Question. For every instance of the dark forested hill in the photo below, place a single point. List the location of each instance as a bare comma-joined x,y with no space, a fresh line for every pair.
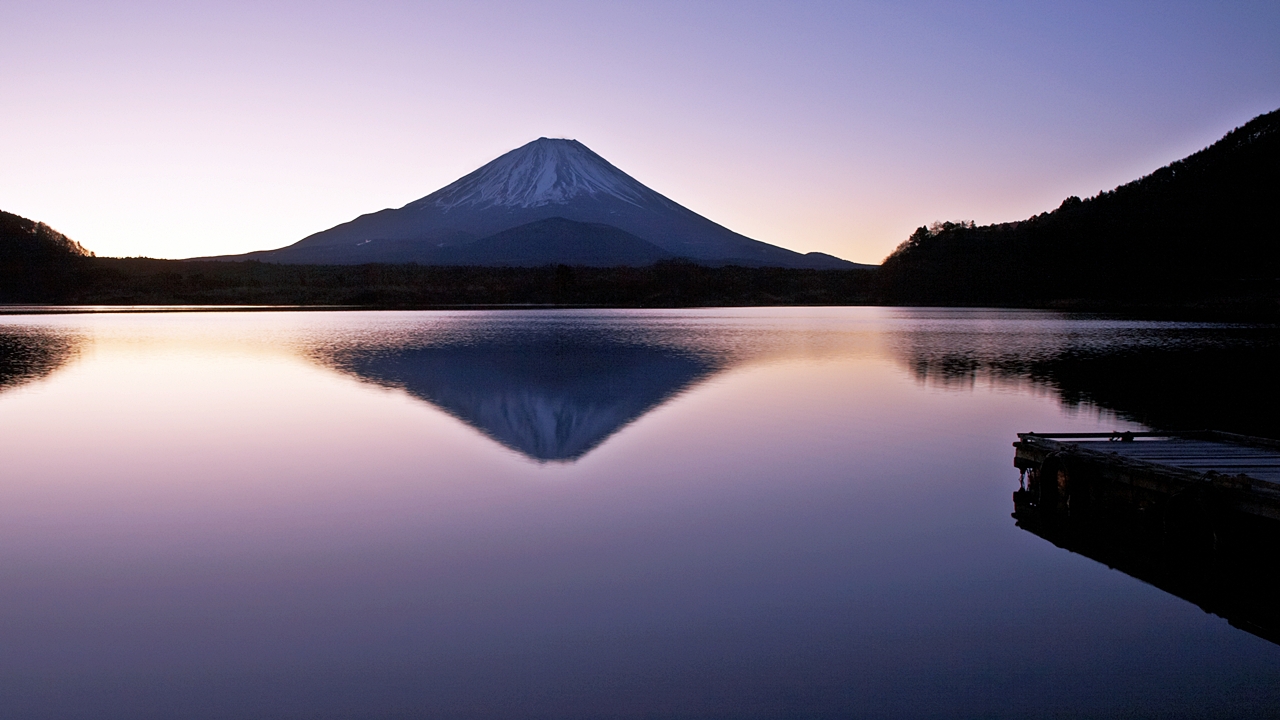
1199,229
23,239
36,261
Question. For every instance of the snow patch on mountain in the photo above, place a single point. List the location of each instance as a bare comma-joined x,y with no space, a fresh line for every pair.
544,172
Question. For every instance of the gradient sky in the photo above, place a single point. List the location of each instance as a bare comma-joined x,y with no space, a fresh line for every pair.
174,129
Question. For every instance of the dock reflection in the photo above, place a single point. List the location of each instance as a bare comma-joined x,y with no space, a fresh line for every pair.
1222,562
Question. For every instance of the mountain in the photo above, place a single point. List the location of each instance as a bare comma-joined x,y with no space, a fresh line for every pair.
1197,230
543,180
555,239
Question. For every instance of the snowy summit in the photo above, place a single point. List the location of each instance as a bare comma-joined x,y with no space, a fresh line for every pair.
543,172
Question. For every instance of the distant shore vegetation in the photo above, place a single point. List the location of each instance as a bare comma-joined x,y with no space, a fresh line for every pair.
142,281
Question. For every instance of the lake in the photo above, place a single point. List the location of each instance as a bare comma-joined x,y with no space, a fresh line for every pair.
725,513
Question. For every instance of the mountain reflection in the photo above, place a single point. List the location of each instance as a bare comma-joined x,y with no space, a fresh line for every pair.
28,354
552,392
1168,376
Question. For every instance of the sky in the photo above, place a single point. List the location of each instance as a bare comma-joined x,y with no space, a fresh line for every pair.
179,129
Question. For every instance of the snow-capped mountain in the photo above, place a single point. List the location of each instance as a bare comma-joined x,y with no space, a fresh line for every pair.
544,172
545,179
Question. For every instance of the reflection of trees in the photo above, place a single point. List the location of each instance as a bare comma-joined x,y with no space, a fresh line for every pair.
1171,378
28,354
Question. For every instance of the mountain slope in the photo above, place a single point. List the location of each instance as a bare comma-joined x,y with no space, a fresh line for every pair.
568,242
1204,225
542,180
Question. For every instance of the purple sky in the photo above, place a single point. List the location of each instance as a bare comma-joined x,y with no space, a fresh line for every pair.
175,129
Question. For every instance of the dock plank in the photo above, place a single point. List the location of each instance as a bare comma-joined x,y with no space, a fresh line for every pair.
1150,471
1201,452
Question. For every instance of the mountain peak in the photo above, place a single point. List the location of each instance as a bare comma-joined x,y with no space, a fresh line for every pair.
541,180
546,171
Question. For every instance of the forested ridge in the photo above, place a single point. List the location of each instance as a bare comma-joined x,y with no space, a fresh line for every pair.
25,240
37,263
1196,230
144,281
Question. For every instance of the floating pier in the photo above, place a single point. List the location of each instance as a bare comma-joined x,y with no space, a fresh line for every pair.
1196,514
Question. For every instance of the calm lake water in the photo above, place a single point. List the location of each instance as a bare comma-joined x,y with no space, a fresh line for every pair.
746,513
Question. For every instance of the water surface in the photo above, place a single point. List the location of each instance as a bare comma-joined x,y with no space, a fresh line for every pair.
719,513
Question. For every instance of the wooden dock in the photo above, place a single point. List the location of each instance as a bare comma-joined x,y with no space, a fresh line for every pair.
1196,514
1233,473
